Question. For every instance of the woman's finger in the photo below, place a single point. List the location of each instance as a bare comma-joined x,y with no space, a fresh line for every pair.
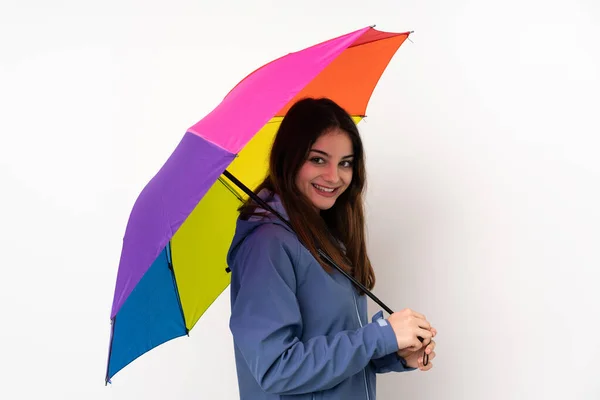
430,347
425,334
424,367
423,323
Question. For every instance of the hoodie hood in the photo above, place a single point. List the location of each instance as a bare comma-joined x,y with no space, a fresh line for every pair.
261,217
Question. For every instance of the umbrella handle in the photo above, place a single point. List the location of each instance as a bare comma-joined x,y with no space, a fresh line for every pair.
323,255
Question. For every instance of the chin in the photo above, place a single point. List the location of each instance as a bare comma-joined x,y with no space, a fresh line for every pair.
323,205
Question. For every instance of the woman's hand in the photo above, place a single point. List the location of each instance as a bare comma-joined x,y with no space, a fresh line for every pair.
414,359
409,325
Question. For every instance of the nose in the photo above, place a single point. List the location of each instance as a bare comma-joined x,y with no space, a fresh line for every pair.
331,174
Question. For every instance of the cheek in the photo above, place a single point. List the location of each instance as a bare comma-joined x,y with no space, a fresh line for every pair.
346,176
304,176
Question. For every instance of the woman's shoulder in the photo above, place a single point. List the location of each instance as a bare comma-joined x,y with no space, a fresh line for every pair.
268,247
272,234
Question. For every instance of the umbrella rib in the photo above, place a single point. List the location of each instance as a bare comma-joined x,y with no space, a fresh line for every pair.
231,189
110,348
172,269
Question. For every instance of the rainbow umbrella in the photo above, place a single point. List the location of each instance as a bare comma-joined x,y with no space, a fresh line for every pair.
173,259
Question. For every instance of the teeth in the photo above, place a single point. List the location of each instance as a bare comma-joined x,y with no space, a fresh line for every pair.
324,189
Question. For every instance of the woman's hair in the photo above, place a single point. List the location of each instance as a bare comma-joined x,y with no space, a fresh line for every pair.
303,124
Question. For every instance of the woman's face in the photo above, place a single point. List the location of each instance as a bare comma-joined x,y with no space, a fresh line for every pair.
327,172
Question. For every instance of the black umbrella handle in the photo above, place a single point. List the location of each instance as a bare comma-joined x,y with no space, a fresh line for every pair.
323,255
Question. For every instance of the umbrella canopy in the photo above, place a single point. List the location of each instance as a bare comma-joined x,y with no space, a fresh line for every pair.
173,259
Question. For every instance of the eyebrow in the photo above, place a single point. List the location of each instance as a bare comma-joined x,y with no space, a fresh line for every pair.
327,155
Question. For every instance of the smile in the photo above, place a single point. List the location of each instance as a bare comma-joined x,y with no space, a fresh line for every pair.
324,189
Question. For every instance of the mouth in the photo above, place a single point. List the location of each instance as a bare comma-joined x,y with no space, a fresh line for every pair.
324,190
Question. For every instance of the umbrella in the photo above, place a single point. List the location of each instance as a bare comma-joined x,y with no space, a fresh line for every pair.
173,258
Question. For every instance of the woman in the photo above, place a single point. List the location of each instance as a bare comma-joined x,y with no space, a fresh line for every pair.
300,327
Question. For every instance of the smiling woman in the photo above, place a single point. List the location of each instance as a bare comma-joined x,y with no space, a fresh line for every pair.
300,327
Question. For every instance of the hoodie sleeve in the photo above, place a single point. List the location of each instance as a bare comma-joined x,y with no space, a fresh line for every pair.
266,324
391,362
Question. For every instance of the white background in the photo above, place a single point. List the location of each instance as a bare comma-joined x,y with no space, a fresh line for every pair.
484,195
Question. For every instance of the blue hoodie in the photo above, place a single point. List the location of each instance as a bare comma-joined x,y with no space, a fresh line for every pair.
300,332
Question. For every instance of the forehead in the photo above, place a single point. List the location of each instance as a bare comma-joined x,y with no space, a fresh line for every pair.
335,142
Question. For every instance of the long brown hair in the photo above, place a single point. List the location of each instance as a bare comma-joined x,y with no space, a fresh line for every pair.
303,124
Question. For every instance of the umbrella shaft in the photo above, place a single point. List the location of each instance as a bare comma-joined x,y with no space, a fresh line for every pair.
324,255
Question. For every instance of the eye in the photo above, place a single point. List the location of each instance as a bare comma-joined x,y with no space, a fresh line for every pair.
347,164
317,160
